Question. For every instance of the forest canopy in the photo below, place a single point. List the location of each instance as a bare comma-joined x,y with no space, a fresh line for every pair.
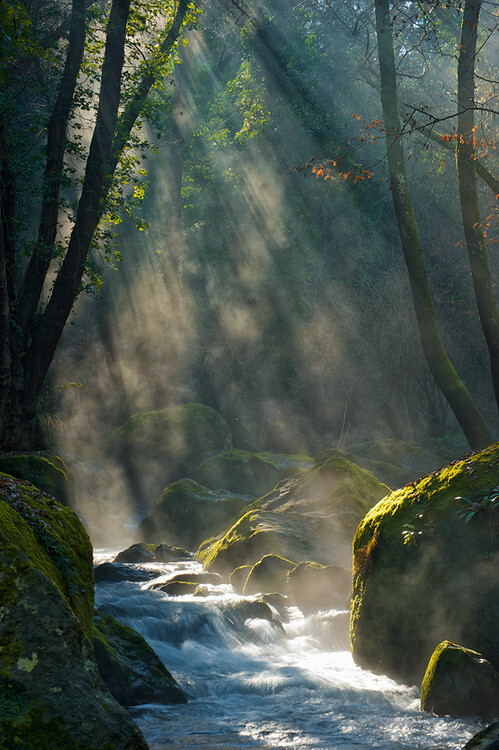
212,199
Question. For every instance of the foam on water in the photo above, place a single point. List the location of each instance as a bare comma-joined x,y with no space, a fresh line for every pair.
255,684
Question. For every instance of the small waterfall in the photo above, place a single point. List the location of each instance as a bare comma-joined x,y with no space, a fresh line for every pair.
254,682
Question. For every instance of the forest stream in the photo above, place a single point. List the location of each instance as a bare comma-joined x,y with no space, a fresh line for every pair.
254,684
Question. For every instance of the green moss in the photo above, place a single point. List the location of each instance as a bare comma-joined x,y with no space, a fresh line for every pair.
416,561
54,540
460,682
48,473
309,516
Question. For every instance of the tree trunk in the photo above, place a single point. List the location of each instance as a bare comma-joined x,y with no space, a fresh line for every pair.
468,194
444,373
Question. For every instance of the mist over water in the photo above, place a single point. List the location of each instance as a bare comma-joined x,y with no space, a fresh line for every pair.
254,684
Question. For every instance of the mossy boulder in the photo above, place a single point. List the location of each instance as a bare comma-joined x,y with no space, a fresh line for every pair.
460,682
49,473
187,512
130,668
50,690
238,577
156,448
426,569
312,516
250,473
312,586
268,575
142,552
487,739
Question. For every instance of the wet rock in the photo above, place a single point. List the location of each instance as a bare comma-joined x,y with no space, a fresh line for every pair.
268,575
249,473
114,572
238,577
159,447
176,588
142,552
130,668
426,569
175,585
276,600
187,512
312,586
460,682
49,683
487,739
309,517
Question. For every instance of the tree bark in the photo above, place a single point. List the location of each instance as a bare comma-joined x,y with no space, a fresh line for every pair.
444,373
468,193
43,253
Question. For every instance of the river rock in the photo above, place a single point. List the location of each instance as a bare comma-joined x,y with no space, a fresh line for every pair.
487,739
47,472
108,572
187,512
130,668
460,682
50,690
312,586
426,569
238,577
268,575
249,473
312,516
142,552
156,448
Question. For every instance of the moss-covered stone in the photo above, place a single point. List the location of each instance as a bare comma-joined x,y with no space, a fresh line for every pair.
187,512
487,739
130,668
268,575
49,473
460,682
250,473
50,689
142,552
312,516
238,577
424,573
159,447
312,586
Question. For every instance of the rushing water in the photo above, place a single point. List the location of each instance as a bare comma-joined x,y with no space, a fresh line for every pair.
255,684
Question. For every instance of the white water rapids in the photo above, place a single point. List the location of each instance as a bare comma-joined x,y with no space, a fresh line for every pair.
256,685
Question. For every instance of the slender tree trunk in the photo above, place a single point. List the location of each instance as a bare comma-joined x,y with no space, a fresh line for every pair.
444,373
43,253
468,193
5,297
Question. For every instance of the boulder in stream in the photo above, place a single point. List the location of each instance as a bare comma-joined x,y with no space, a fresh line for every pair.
130,668
142,552
460,682
426,569
312,586
487,739
268,575
50,690
187,512
312,516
